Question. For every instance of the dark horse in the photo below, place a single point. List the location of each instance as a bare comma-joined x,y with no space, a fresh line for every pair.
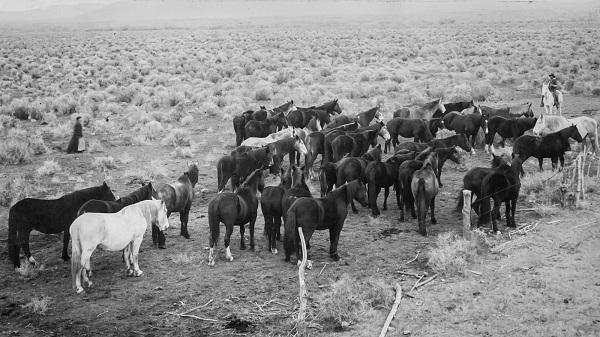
321,214
363,118
453,107
553,146
300,117
178,197
502,185
145,192
409,128
238,165
315,144
508,112
404,196
468,125
444,153
472,182
49,217
506,128
239,122
234,209
299,189
424,188
264,128
383,175
452,141
272,208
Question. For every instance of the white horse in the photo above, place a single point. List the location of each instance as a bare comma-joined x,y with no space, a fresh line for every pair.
548,99
123,230
587,127
262,141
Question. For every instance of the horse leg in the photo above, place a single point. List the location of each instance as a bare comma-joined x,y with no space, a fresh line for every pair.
135,250
507,213
242,242
432,206
495,210
354,210
513,209
66,238
23,240
276,228
227,239
541,162
562,161
161,238
251,225
385,197
334,236
154,237
183,217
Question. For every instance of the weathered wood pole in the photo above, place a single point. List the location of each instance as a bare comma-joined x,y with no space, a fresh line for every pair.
466,213
302,283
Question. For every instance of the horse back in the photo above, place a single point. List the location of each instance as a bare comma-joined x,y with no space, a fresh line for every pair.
168,194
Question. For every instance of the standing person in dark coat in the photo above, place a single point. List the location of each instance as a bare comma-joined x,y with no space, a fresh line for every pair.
77,134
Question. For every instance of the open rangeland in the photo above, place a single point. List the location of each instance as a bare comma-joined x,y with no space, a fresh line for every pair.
153,100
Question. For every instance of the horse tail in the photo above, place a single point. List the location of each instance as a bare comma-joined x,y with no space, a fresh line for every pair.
422,204
289,237
595,126
13,246
484,203
76,263
220,175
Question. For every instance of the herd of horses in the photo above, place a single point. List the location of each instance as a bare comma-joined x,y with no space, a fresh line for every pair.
351,170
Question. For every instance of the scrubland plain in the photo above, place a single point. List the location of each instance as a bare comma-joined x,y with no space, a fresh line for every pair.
153,99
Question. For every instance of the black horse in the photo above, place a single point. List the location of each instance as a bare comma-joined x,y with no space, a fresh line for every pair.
234,209
146,192
443,153
472,182
553,146
454,107
409,128
327,213
383,175
178,197
272,208
468,125
239,123
49,217
255,128
299,189
404,196
502,185
424,187
239,165
363,118
506,128
300,117
315,144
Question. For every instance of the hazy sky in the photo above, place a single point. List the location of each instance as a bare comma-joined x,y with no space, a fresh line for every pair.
23,5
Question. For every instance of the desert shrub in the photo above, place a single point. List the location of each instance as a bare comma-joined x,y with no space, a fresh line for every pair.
49,168
49,117
181,258
65,105
155,171
350,299
451,254
187,120
209,108
20,109
177,137
596,91
578,88
415,97
183,152
538,181
173,98
60,130
281,77
14,190
94,146
38,306
482,91
14,151
104,163
152,130
325,72
136,116
29,271
36,144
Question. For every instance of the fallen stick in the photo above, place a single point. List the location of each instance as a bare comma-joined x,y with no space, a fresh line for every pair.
325,265
426,281
408,274
415,285
584,224
194,316
475,272
198,307
392,313
302,283
414,259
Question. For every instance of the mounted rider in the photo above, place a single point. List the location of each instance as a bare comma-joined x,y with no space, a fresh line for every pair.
553,86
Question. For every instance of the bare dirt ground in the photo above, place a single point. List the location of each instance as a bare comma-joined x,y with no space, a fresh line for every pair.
542,284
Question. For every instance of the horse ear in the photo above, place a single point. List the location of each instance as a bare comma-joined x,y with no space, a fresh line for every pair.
104,184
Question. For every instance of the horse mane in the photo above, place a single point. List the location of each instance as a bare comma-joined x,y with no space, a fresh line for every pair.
430,105
192,174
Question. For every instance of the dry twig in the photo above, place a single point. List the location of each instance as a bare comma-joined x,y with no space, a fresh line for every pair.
414,259
426,281
392,313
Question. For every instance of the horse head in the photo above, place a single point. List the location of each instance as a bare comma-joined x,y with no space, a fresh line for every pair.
574,133
255,181
356,190
162,220
300,146
336,107
384,133
106,193
539,126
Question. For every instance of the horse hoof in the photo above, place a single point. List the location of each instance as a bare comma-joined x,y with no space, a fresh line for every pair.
211,263
185,235
433,221
230,258
138,273
65,258
335,257
79,290
274,251
90,284
162,247
242,247
308,264
441,185
129,272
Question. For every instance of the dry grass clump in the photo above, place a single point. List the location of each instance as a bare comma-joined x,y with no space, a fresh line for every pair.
177,137
451,254
14,151
350,299
14,190
540,183
181,258
183,152
49,168
152,130
104,163
30,271
155,171
94,146
38,306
